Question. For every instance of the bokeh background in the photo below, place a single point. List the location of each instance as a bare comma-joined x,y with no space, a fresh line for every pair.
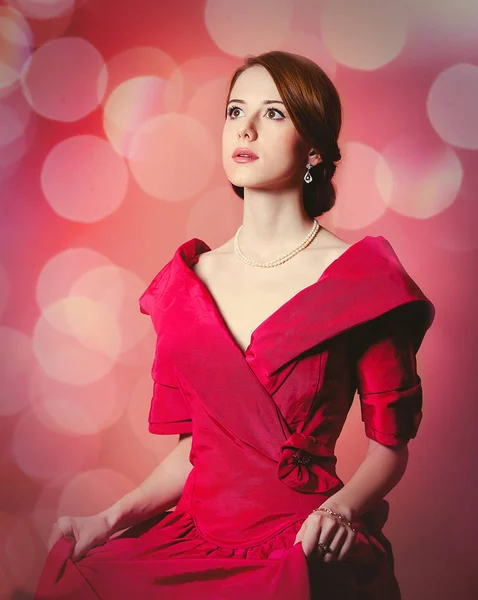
111,116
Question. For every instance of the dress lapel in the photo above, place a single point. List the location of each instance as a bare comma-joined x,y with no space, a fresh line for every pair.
236,389
366,281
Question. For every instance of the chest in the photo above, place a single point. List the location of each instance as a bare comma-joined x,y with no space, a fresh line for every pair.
246,297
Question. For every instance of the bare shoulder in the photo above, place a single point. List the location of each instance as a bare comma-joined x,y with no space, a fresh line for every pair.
210,262
328,241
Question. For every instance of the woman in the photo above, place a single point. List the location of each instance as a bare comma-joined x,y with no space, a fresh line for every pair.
256,369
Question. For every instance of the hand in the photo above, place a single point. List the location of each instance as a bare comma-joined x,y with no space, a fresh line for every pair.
87,531
327,529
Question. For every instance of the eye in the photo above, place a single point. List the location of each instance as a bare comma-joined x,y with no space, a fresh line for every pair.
277,111
231,109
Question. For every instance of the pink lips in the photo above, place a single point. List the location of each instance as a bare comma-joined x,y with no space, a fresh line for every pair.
249,155
243,159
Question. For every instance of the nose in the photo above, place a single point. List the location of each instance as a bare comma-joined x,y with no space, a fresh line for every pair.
245,127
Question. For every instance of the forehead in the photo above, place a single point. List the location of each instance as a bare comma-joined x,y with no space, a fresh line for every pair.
255,83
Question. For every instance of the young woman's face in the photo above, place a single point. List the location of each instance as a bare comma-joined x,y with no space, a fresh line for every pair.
267,130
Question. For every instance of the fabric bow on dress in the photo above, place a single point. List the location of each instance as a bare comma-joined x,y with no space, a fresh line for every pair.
302,461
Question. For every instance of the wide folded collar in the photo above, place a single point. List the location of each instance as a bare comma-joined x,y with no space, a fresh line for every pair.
363,283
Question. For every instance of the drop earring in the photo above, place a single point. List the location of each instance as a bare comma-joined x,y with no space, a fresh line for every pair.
308,176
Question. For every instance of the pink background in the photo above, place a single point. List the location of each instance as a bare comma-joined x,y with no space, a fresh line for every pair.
111,116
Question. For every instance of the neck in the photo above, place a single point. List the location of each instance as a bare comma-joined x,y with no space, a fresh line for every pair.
273,223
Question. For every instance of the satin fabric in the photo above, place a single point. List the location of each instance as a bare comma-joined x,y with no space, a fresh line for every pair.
265,424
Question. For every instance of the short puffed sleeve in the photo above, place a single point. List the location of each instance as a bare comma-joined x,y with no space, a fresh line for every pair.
170,411
388,384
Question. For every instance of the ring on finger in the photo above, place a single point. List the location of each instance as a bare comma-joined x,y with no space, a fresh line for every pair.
324,548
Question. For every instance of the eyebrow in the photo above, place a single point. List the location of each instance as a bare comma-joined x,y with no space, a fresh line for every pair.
263,102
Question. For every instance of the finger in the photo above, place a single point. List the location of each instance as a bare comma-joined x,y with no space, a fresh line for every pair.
349,542
59,530
78,552
336,545
327,530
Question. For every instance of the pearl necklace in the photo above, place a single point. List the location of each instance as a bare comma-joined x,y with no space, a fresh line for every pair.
281,259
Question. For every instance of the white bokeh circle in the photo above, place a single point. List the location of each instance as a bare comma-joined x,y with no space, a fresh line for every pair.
449,23
451,105
84,179
44,454
144,61
65,79
16,43
118,291
172,157
79,410
364,185
62,270
43,9
15,116
426,180
131,104
364,34
249,28
76,340
17,362
92,491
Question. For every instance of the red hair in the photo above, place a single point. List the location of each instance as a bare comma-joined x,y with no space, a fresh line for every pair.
315,109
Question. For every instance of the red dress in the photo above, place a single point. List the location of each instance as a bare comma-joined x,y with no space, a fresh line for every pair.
265,424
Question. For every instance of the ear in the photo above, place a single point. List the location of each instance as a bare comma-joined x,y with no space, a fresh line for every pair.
314,157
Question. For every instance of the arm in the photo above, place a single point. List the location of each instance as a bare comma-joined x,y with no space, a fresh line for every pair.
158,493
391,401
381,470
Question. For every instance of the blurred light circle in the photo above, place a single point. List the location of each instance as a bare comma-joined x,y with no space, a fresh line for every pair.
93,491
118,291
207,106
251,28
15,115
65,79
81,410
144,61
131,104
62,270
426,180
84,179
44,454
45,30
365,34
86,273
17,362
16,41
366,170
43,9
450,23
193,75
451,105
76,340
172,157
45,511
18,126
311,46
